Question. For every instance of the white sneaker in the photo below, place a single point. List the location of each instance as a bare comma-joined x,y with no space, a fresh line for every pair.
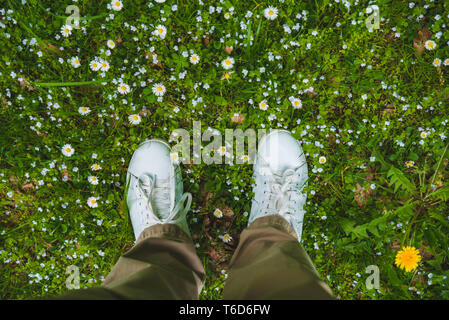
154,191
280,174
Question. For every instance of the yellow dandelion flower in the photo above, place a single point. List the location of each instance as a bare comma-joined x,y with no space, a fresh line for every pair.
408,258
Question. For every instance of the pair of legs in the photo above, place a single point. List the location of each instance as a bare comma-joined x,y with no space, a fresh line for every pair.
269,262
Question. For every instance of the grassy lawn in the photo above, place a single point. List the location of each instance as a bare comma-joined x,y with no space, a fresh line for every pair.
370,107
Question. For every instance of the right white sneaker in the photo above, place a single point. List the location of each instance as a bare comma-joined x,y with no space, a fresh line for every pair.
280,174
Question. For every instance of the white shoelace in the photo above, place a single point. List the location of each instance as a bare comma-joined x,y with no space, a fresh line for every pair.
160,196
279,198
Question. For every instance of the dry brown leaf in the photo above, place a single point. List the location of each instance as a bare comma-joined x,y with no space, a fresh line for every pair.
27,187
211,240
65,175
372,171
206,40
312,93
217,256
227,212
423,35
24,83
53,48
332,139
127,246
224,266
238,119
396,245
333,80
4,103
121,208
207,197
361,195
144,113
228,49
13,179
206,221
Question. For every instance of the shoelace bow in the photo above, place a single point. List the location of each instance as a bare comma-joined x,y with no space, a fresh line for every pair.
161,195
280,190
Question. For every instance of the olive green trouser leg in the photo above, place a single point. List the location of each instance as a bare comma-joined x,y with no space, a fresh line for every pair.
269,263
162,265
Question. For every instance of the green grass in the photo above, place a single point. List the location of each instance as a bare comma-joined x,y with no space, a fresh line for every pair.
366,99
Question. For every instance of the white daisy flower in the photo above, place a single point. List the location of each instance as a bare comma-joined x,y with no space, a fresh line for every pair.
160,31
436,62
221,151
227,15
271,13
228,63
67,150
75,62
92,202
446,62
104,65
263,105
423,134
123,88
409,163
84,110
159,89
93,180
116,5
134,119
66,30
174,157
218,213
95,167
245,158
110,44
226,238
194,59
430,45
322,160
95,65
296,103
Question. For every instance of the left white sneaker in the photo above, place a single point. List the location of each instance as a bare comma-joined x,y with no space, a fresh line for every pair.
154,191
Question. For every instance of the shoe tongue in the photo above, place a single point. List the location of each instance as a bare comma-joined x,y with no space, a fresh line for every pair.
161,198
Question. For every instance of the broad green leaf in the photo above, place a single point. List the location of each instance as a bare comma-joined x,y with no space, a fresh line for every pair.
441,193
399,179
347,225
